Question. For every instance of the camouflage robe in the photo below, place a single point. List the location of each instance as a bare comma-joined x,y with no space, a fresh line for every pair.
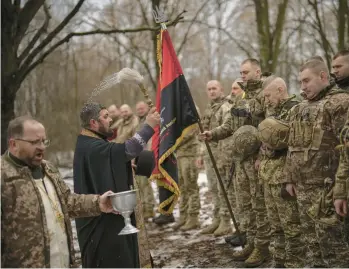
282,213
311,164
24,233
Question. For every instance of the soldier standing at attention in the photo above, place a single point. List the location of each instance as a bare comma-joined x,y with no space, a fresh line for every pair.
312,161
282,212
210,120
248,110
189,205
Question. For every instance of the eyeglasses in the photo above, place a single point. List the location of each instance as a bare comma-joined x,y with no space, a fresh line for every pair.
38,142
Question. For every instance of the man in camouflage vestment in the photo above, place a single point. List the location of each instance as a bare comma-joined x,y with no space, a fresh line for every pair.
282,212
36,204
312,162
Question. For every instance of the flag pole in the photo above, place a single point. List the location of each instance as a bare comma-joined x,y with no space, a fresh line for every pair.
214,164
160,17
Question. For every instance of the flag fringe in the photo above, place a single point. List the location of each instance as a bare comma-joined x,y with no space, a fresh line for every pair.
173,186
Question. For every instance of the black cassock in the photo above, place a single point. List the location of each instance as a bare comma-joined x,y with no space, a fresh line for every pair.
100,166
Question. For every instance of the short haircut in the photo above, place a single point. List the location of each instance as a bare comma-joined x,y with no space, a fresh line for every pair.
316,57
344,52
316,66
89,112
268,81
253,61
16,126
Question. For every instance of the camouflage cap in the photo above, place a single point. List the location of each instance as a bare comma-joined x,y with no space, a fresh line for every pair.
245,142
274,133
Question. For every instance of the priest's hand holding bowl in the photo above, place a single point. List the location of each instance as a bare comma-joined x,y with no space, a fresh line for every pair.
105,203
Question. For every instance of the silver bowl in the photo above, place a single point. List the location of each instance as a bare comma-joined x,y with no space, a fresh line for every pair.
125,202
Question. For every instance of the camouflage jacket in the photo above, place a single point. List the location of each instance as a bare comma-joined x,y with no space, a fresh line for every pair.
271,169
211,119
314,134
248,109
24,233
341,188
190,145
226,144
126,129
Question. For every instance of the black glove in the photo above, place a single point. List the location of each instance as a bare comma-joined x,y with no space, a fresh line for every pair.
240,112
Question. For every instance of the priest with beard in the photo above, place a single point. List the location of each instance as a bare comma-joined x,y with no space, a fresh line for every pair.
99,166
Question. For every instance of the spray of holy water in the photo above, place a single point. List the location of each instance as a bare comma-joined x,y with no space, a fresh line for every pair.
125,75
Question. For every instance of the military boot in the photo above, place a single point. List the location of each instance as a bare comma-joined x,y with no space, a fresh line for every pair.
163,219
236,241
224,227
212,227
192,223
257,258
180,222
243,254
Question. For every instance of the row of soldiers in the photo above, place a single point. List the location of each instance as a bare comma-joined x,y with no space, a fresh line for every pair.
279,155
290,188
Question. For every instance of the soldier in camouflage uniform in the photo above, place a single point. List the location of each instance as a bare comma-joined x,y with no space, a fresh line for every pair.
212,117
226,166
340,65
145,190
248,110
33,232
341,188
312,162
282,212
126,126
189,205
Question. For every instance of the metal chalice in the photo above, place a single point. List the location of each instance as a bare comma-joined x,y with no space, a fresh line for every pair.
125,203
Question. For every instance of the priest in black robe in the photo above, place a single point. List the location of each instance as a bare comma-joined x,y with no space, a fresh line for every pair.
99,166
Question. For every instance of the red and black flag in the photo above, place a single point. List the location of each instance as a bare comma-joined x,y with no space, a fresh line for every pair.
178,116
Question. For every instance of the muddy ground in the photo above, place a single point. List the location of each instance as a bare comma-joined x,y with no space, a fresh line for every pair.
177,249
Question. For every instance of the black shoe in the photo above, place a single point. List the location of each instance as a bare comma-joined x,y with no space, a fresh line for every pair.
164,219
229,238
236,241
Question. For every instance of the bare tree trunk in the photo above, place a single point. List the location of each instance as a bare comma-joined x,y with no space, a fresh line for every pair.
343,23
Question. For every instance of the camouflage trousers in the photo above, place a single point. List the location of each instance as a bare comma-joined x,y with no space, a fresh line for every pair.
254,218
285,227
230,187
146,193
213,186
325,244
188,175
